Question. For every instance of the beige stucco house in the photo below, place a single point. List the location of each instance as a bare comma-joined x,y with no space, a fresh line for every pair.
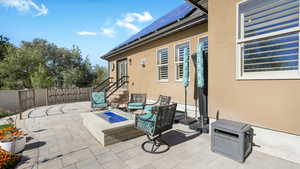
253,65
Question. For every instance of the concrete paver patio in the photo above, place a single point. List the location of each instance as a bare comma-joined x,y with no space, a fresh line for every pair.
60,141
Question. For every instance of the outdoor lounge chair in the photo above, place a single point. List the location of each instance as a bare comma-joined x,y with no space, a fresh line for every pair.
98,100
154,124
137,101
161,101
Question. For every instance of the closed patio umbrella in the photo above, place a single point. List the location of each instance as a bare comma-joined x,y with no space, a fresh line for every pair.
186,78
186,72
200,68
203,123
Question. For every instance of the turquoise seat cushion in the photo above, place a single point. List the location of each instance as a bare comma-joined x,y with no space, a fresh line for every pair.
135,105
147,126
148,108
98,97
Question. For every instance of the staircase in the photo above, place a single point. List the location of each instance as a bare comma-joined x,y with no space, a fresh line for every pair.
121,96
116,92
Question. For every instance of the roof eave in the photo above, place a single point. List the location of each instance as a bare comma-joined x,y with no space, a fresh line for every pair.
197,5
173,28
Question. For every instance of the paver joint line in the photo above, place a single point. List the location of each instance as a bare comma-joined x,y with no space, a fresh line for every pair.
70,146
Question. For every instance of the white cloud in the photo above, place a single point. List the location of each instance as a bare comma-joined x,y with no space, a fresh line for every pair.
25,6
86,33
108,32
130,19
128,25
145,17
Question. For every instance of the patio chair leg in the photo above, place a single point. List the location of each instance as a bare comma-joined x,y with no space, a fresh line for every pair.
156,144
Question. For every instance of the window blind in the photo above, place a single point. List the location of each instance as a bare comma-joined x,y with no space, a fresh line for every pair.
205,43
162,62
271,54
179,59
272,17
277,51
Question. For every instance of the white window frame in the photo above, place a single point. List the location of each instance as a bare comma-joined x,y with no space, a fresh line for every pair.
272,75
159,65
178,62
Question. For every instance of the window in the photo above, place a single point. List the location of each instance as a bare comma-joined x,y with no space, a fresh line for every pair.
179,54
268,39
205,43
162,64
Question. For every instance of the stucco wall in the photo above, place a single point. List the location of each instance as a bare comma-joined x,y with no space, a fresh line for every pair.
266,103
144,79
9,100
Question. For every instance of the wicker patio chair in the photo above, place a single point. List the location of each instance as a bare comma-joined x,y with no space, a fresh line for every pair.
137,101
98,100
161,101
154,124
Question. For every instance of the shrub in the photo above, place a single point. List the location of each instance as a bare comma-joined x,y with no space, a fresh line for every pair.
8,160
5,113
10,133
3,126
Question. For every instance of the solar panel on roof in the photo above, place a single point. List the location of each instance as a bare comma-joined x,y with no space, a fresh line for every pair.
176,14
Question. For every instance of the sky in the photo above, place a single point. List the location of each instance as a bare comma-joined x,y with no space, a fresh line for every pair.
96,26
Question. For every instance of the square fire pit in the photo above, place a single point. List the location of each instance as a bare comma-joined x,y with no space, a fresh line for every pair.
112,117
110,127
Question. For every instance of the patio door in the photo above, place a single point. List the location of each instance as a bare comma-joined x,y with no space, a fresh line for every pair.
121,71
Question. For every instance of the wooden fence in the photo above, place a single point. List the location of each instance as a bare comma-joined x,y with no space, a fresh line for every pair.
26,99
58,96
43,97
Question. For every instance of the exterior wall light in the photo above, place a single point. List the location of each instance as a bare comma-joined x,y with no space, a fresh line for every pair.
112,67
143,62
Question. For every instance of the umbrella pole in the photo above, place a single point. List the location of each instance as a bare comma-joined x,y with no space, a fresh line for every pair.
201,107
186,120
185,104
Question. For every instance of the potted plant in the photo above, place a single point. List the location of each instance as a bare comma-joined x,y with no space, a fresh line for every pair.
11,139
8,160
20,144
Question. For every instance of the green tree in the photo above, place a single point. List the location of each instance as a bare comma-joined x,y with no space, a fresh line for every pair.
4,44
101,73
41,64
17,67
60,62
41,78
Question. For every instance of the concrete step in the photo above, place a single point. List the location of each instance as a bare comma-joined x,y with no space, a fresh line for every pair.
118,96
120,93
121,96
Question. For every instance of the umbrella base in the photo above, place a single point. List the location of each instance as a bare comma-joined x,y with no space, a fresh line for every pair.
187,121
197,126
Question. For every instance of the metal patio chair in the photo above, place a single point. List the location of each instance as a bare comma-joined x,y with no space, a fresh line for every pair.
161,101
137,101
98,100
154,124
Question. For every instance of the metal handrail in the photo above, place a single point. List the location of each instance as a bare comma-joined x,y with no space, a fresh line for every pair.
112,87
115,86
102,83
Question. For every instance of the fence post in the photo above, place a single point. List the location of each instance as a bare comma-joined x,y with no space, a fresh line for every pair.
46,97
33,95
20,104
